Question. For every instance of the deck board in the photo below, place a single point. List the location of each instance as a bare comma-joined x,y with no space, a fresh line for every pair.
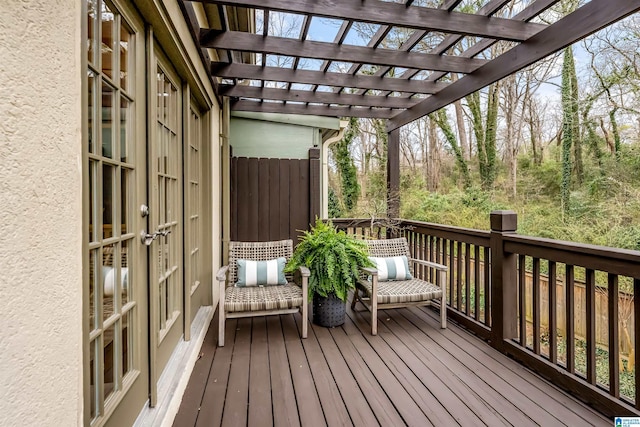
411,373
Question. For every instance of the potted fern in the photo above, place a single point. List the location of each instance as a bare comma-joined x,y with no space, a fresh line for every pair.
334,259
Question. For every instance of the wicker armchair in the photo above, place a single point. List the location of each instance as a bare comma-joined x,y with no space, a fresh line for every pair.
260,300
377,295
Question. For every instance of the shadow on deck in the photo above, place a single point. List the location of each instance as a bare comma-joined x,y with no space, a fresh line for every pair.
412,373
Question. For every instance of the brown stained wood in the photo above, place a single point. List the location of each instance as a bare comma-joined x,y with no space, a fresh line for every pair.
243,208
247,42
467,279
393,14
570,326
314,184
309,406
409,395
379,402
304,206
192,398
328,391
449,376
487,288
284,198
476,282
264,199
252,200
584,21
553,313
591,324
521,399
522,299
285,409
433,375
275,207
259,407
562,405
393,174
623,262
536,305
242,91
218,379
636,331
237,398
614,336
451,270
358,406
233,189
459,281
471,373
314,110
287,75
295,191
467,235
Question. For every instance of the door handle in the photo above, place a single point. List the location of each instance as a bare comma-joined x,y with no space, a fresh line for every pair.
147,238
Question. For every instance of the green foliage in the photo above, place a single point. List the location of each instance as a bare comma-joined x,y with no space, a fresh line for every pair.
335,207
568,67
485,133
346,167
333,257
443,123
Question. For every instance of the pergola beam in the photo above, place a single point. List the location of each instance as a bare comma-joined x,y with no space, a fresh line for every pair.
584,21
288,75
256,92
395,14
246,42
314,110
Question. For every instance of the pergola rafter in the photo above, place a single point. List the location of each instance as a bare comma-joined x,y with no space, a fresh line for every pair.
395,14
381,77
236,40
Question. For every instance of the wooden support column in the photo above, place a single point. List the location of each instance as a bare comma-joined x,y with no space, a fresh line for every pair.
393,174
314,184
504,279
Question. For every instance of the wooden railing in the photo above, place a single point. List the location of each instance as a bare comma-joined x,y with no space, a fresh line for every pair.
495,289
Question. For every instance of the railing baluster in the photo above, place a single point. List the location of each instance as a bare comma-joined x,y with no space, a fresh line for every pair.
536,305
553,313
467,279
432,257
487,287
569,310
636,333
522,282
459,273
591,325
614,338
451,267
476,280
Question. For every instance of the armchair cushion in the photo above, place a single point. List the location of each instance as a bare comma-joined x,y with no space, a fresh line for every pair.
256,273
392,268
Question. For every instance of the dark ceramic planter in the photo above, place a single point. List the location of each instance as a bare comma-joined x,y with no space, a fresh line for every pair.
328,311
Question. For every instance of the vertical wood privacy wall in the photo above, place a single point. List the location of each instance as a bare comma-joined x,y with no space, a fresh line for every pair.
273,199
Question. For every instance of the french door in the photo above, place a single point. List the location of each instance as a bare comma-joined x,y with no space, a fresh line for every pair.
116,280
166,281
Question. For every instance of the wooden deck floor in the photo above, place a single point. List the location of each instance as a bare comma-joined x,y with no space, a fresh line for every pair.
412,373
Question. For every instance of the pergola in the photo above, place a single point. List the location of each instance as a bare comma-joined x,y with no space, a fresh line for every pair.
407,82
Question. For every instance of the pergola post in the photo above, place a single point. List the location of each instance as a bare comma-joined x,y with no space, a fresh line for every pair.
393,174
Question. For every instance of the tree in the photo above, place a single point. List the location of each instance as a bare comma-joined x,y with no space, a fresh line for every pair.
567,125
442,121
346,167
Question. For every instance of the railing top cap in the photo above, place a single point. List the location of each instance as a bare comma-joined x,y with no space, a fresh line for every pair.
504,221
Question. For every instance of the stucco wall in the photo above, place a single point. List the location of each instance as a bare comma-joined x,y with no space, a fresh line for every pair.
255,138
40,213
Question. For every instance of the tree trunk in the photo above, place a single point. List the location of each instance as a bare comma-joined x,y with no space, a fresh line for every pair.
434,157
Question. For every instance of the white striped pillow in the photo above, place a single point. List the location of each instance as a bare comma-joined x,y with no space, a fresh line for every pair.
256,273
392,268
